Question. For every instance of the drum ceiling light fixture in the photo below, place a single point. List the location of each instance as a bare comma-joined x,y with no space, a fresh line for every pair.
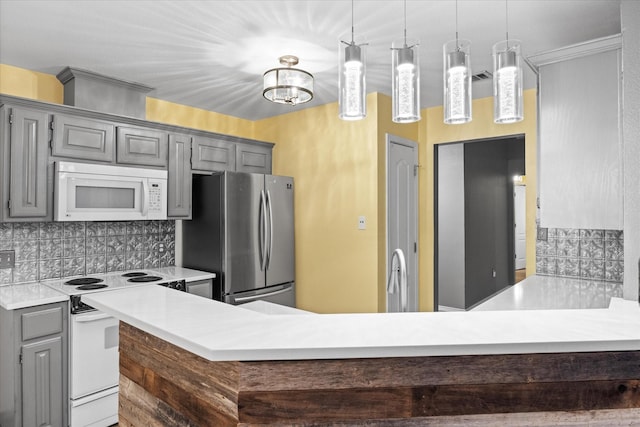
288,85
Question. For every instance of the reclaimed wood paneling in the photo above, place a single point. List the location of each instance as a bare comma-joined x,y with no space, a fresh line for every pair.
162,384
415,371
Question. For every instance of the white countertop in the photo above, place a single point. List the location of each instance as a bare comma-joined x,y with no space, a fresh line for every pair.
22,295
218,331
188,274
553,293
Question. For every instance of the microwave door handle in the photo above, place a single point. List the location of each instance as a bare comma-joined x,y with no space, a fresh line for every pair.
145,199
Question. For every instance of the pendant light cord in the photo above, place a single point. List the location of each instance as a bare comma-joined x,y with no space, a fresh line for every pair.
405,23
506,13
352,29
457,44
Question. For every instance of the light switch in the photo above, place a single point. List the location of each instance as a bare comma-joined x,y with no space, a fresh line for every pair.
362,223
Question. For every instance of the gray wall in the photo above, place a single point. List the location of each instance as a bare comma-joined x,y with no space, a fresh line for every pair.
451,249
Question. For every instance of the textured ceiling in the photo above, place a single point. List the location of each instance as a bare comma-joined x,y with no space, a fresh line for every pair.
211,54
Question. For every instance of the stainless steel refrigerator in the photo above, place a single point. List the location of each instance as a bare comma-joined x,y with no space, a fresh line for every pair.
242,229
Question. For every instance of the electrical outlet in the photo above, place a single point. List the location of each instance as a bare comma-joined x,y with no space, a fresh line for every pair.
362,223
161,248
7,259
543,234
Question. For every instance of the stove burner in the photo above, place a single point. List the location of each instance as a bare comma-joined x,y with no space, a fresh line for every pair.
142,279
83,281
134,274
91,287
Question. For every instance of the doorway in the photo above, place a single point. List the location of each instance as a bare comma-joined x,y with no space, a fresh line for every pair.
475,253
520,227
402,215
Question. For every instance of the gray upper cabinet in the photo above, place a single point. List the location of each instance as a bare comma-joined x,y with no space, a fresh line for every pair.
25,144
209,154
253,158
179,191
33,366
139,146
83,138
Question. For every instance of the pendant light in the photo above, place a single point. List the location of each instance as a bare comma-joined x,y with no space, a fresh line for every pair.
288,85
352,100
457,79
406,78
507,79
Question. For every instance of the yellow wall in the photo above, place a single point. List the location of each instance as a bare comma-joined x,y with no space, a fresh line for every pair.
30,84
334,164
434,131
46,87
339,170
196,118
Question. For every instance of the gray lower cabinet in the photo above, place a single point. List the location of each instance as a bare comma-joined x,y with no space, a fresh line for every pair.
253,158
203,288
209,154
33,366
24,152
139,146
83,138
179,181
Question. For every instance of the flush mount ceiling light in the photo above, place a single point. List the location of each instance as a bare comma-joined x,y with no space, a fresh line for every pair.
288,85
507,79
406,78
352,99
457,79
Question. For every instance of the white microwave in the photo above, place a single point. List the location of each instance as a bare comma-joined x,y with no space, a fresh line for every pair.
90,192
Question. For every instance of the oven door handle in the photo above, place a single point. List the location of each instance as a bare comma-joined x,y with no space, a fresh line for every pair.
91,318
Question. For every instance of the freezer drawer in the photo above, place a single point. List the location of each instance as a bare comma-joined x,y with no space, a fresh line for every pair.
280,294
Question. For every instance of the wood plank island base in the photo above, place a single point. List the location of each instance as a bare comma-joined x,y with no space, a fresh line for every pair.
162,384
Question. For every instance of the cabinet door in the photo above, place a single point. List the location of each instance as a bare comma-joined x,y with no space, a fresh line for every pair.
210,154
42,385
253,158
146,147
179,191
82,138
28,145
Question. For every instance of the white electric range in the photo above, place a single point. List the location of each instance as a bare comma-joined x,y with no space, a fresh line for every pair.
93,343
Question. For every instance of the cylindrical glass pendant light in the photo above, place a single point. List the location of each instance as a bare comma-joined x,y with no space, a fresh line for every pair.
406,82
352,84
405,69
507,82
352,99
457,81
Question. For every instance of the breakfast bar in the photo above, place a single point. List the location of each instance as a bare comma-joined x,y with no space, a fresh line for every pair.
191,361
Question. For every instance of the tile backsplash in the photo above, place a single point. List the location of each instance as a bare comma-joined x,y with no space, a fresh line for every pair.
581,253
48,250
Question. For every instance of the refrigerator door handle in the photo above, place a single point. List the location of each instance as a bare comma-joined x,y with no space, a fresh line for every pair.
270,235
260,296
263,231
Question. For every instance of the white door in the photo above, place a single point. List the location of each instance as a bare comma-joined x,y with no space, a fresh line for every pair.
520,219
402,215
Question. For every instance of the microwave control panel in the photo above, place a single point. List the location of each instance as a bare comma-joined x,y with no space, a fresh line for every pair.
155,197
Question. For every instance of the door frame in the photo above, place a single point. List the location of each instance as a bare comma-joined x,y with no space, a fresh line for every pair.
435,205
394,139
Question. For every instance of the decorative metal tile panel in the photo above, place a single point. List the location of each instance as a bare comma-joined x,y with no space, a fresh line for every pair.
48,250
582,253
